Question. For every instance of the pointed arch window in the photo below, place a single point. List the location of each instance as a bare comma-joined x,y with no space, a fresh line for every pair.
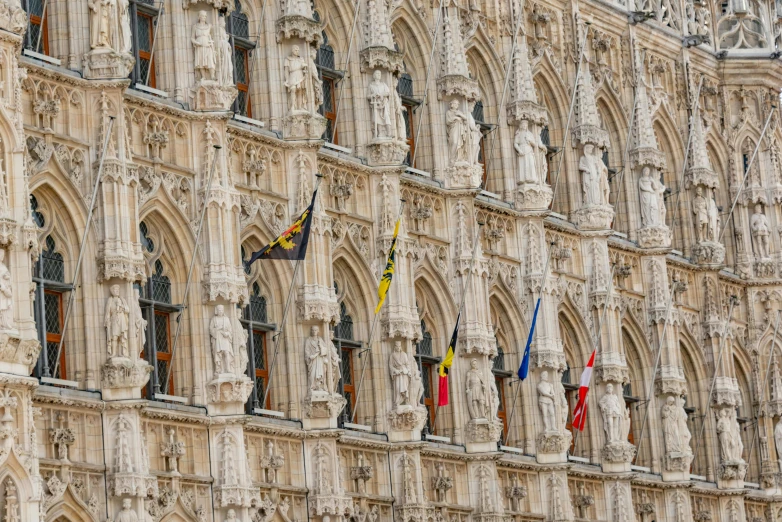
237,24
37,36
409,103
478,116
345,342
426,365
500,378
156,308
571,396
144,16
50,288
256,320
330,77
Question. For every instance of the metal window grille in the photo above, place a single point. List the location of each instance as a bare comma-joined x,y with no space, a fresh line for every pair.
325,56
545,136
424,346
52,265
477,111
499,360
257,309
160,285
38,218
344,329
405,85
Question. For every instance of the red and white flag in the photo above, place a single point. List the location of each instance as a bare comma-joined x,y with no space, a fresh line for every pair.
580,411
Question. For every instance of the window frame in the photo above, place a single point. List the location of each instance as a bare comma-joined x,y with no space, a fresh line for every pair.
263,328
140,9
43,22
333,77
411,104
486,129
345,348
244,45
427,365
500,374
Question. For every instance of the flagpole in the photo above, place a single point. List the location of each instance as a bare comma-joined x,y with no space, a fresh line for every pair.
285,310
518,388
463,297
371,336
190,270
87,224
763,390
596,343
674,286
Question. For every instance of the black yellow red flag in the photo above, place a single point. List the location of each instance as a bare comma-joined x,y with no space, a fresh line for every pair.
442,395
291,244
388,273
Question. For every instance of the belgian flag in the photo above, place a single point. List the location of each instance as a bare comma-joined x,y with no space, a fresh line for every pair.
442,396
291,244
388,273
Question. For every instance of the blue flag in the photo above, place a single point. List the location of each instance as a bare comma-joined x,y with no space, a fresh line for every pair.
524,368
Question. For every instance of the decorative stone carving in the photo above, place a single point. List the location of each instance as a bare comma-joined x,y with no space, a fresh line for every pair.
12,17
62,437
7,322
707,228
380,107
459,139
271,462
546,401
477,393
616,424
225,65
594,175
323,363
110,40
441,483
221,335
676,436
401,370
531,156
361,473
172,451
760,233
213,89
732,466
778,441
116,324
205,61
515,492
126,514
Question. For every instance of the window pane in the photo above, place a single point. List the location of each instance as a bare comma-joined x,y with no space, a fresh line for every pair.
500,395
162,370
35,7
260,357
51,357
328,135
161,332
424,346
427,381
161,288
143,64
240,25
240,66
52,306
145,33
53,266
325,57
347,376
260,388
257,309
348,406
328,95
405,85
241,103
499,360
477,111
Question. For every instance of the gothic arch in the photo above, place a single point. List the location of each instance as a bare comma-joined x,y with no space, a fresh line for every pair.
179,512
670,144
696,390
639,363
71,507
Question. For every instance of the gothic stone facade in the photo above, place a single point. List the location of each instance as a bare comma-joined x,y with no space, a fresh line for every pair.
147,148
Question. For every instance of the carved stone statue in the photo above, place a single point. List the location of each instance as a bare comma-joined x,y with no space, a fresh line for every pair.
760,232
671,435
126,514
527,146
380,103
295,76
6,296
317,86
225,75
322,363
611,408
139,323
102,23
231,515
652,204
594,175
400,375
457,126
204,48
684,430
401,128
495,399
700,207
546,403
116,324
778,441
714,218
221,334
124,35
475,136
730,446
477,402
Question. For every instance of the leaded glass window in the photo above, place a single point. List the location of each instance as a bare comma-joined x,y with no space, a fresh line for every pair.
49,278
255,320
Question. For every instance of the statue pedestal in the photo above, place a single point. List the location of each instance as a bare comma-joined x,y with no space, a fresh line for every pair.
594,217
405,423
17,356
133,485
227,394
208,95
617,457
533,196
321,410
464,175
482,435
13,19
107,64
386,151
676,466
654,237
730,474
552,446
304,125
122,378
709,253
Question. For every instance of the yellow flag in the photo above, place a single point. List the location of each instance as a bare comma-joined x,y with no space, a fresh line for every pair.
388,273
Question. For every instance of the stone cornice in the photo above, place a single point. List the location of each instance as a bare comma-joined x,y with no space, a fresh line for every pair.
360,442
269,138
134,98
69,77
176,416
60,400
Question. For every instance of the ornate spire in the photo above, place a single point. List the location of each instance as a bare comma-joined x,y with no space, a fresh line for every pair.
453,60
588,128
377,27
524,98
643,132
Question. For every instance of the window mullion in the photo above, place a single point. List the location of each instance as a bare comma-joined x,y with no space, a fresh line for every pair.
151,327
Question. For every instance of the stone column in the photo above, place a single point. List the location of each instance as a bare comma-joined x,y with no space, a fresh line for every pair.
457,92
299,37
381,66
407,484
324,478
233,484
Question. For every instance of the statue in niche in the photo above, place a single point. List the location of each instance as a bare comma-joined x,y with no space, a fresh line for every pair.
125,36
102,17
457,126
295,74
476,392
527,145
116,324
684,430
380,102
700,207
760,232
546,401
225,74
127,514
475,136
494,407
714,218
778,441
323,363
221,334
671,434
594,175
6,295
612,410
317,86
204,48
231,515
401,127
652,204
729,437
400,375
139,323
564,407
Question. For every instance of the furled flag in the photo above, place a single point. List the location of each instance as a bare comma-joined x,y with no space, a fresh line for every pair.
579,412
388,273
442,396
524,368
291,244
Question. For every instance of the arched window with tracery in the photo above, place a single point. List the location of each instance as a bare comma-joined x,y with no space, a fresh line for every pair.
330,77
427,366
155,300
237,25
345,343
255,319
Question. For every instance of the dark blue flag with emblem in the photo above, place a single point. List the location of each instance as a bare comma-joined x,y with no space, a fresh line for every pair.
291,244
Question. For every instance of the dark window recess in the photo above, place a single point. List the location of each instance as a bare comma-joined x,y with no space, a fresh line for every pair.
345,343
424,346
144,16
237,25
499,360
329,76
255,321
50,288
37,36
405,89
427,366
